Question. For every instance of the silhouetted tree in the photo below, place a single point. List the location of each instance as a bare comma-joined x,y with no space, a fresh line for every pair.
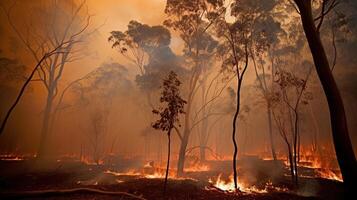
173,106
343,146
61,33
286,101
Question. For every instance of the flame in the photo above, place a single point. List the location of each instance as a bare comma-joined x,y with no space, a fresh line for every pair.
320,164
329,174
14,157
128,173
228,186
198,168
157,173
90,161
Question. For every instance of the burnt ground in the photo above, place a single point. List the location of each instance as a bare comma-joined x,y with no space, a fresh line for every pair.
19,176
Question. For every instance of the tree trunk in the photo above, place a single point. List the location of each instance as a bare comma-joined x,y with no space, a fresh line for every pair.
45,126
168,160
295,144
343,147
204,132
182,153
22,90
184,141
235,142
291,163
271,137
202,153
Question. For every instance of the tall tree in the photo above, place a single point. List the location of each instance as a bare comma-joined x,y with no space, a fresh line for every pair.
237,36
61,26
147,48
289,94
187,18
169,113
343,146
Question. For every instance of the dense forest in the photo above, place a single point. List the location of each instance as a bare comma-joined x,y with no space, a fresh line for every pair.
178,99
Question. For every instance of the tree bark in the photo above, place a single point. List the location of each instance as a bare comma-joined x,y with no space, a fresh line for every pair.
185,137
182,153
234,140
271,137
168,160
45,125
343,147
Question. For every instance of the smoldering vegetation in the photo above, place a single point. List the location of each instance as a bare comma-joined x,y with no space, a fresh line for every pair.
95,118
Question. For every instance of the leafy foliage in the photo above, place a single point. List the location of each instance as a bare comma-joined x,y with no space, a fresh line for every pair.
173,104
140,36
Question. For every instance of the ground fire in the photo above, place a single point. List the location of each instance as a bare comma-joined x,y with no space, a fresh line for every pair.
178,99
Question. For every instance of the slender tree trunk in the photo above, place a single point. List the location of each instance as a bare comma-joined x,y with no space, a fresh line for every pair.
45,125
235,142
316,132
343,146
22,90
182,153
291,163
271,137
168,160
295,145
204,131
184,141
264,89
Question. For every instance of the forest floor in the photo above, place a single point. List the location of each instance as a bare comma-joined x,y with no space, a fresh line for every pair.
19,176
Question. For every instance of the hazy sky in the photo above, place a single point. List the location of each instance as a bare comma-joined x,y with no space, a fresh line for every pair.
111,15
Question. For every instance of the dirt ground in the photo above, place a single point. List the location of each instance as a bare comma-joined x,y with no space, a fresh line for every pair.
19,176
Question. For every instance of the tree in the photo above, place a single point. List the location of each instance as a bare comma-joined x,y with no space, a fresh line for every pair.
95,93
49,32
288,95
237,36
266,33
343,146
173,107
45,56
147,48
189,19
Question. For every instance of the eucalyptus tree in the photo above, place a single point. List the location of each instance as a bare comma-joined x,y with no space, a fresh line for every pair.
191,20
147,49
173,106
311,23
289,96
237,39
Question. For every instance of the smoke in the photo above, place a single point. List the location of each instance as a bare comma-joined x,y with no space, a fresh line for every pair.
111,99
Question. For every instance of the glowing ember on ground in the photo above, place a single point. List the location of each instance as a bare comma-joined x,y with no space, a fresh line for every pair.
228,186
158,173
11,158
197,168
14,157
89,161
128,173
